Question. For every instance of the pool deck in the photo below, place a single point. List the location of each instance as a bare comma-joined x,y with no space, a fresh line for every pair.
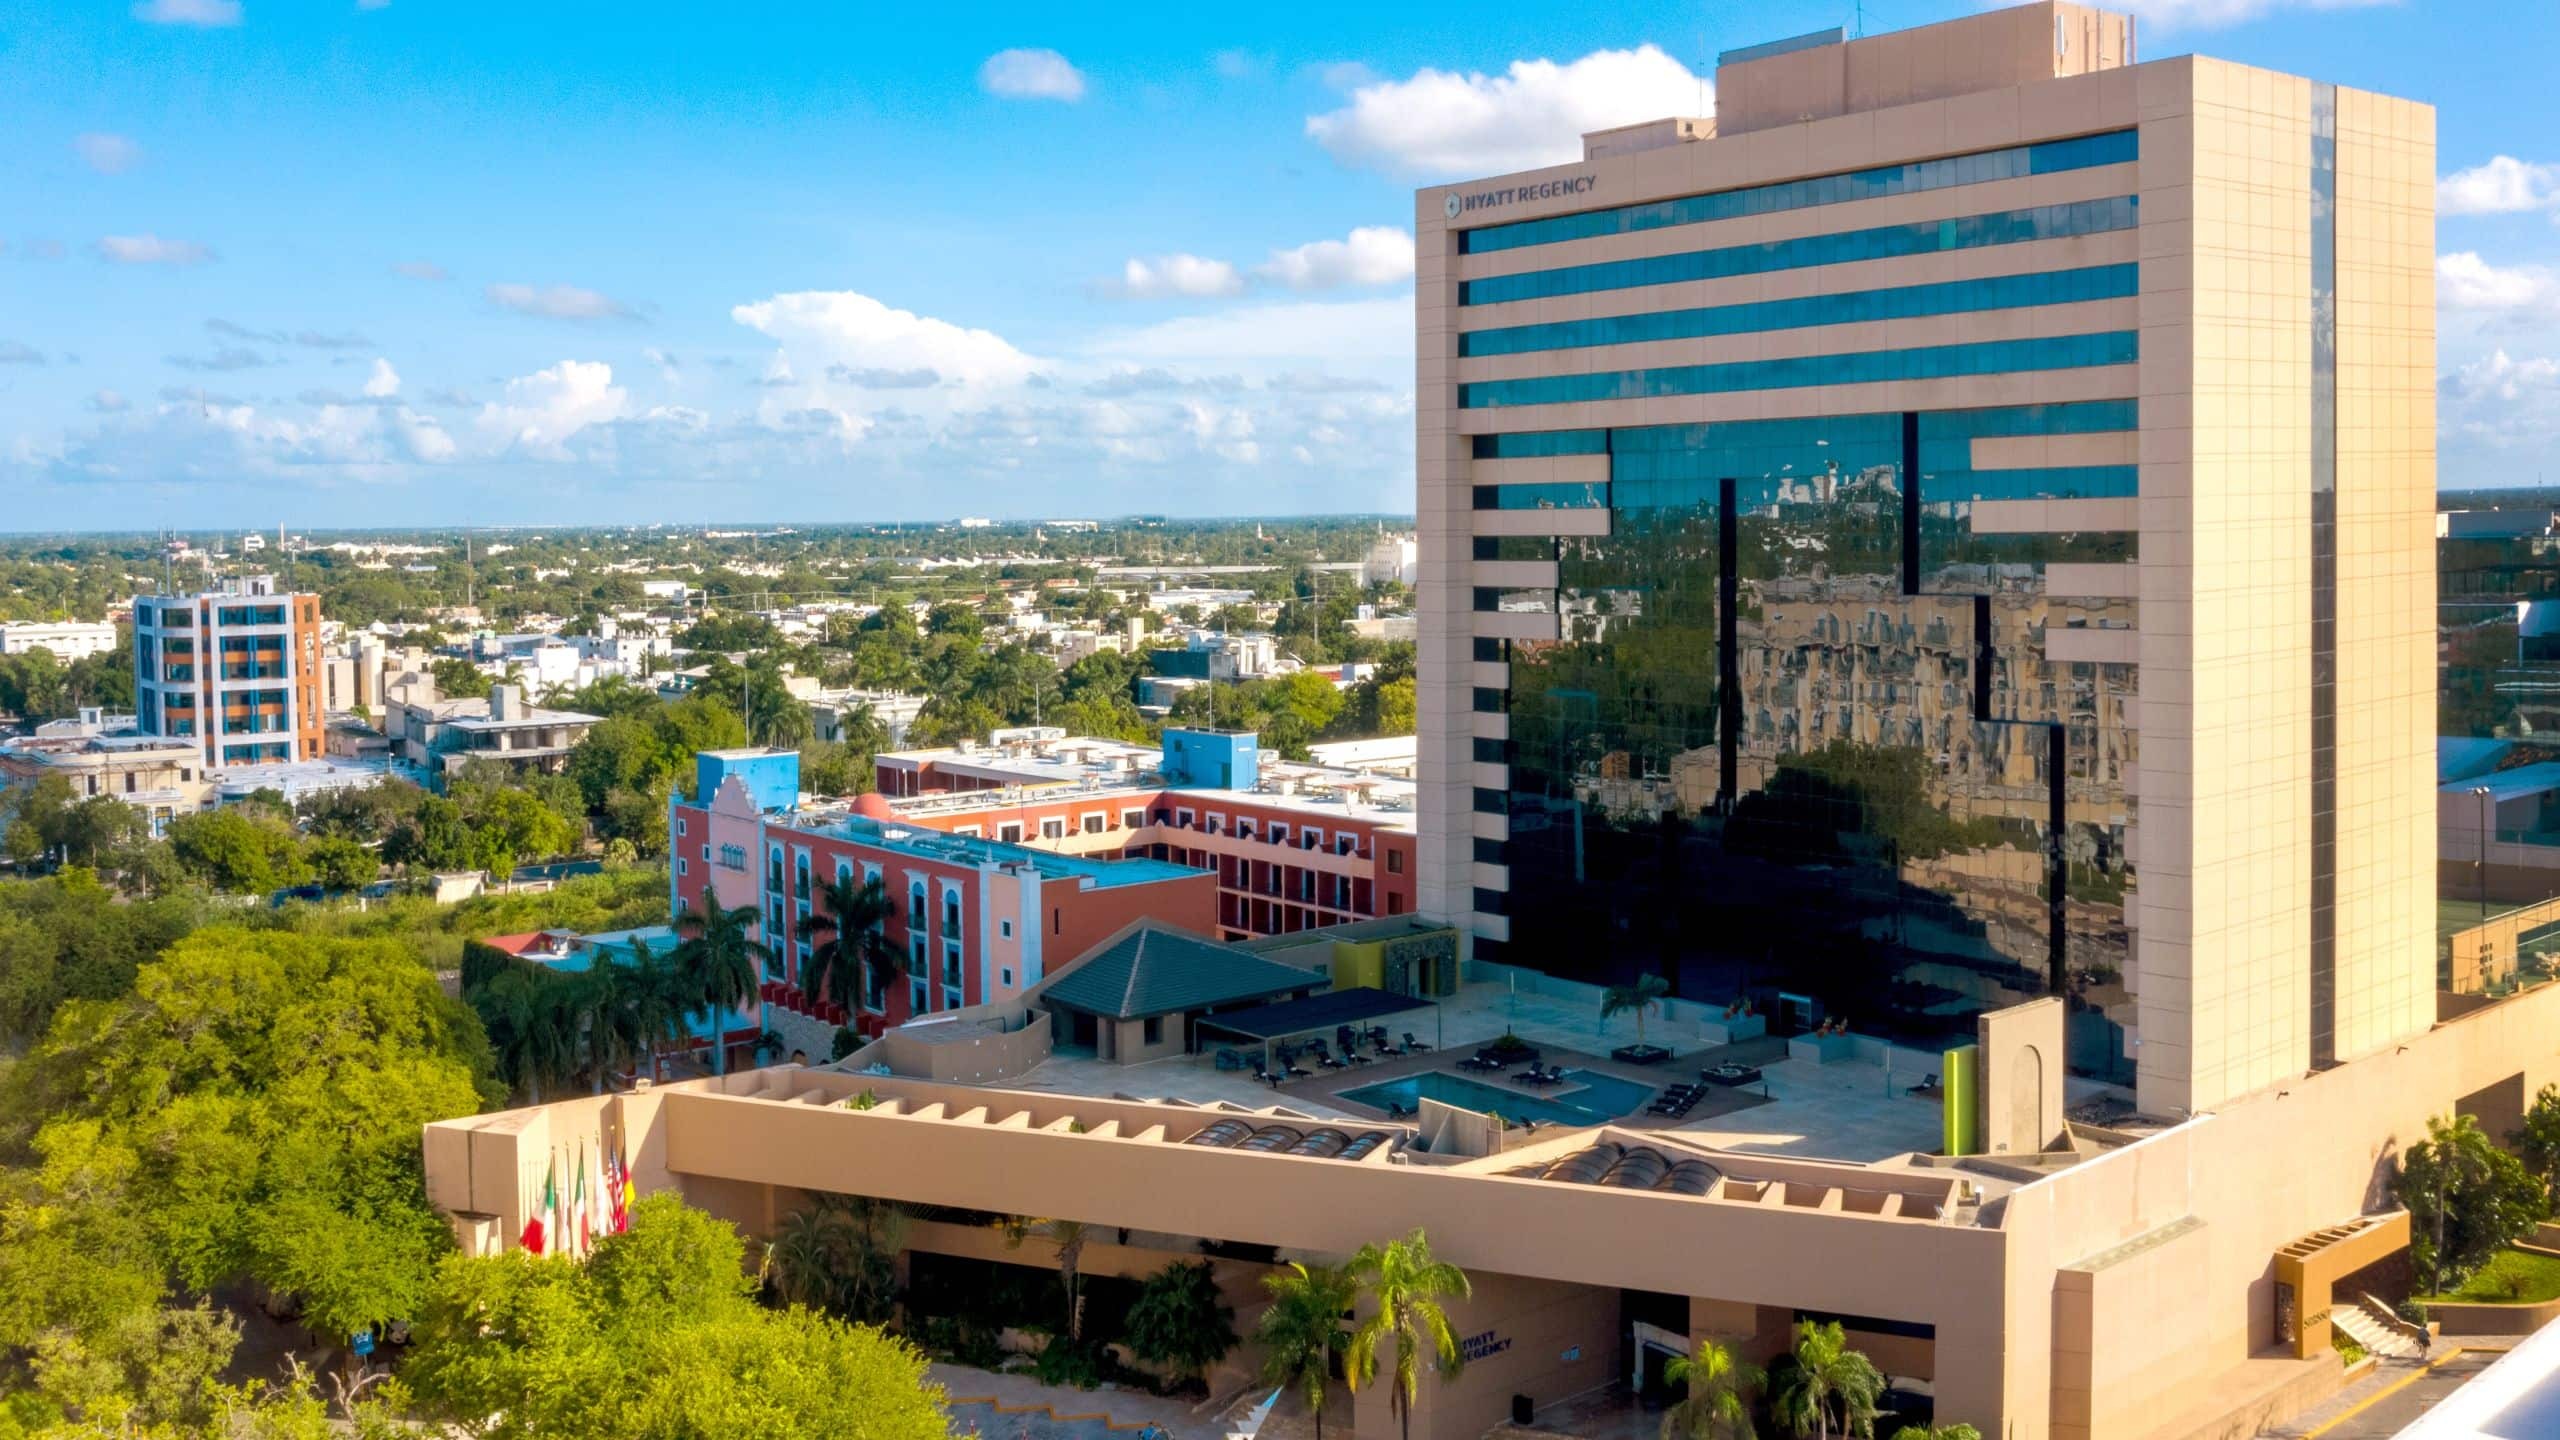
1857,1111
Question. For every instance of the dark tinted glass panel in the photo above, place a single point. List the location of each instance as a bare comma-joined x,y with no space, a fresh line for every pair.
1927,237
1756,762
1541,444
1928,362
1548,496
1954,297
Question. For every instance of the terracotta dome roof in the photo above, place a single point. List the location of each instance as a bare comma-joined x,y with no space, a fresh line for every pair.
872,805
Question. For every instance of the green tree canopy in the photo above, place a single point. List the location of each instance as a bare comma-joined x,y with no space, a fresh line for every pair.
2467,1200
655,1337
250,1111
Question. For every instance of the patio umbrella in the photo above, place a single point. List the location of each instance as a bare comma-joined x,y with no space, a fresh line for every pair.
1253,1418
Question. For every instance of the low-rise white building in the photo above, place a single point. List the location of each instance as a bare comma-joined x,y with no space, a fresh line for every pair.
67,639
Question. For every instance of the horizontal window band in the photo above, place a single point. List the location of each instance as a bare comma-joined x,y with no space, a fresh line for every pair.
1952,297
1925,237
1930,362
2114,147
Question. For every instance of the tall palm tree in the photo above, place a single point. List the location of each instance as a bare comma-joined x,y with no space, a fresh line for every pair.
1302,1332
1821,1377
719,963
1714,1407
654,1001
1407,1286
1643,995
1069,1237
530,1027
849,928
605,1020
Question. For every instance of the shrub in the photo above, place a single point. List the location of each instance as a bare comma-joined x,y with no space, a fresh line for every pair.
1180,1321
1070,1362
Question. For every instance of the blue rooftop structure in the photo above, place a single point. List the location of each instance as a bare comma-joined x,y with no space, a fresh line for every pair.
1211,759
772,776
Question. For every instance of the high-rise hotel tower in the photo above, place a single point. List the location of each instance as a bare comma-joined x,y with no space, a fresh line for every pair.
1956,525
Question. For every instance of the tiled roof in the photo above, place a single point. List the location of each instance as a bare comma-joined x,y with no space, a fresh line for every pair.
1155,971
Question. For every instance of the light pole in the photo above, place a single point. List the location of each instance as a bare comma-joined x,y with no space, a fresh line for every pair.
2488,808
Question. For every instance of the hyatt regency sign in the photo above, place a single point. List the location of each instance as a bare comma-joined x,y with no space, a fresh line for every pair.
1544,190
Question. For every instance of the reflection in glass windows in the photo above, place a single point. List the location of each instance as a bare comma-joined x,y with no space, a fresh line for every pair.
1775,747
1884,242
2114,147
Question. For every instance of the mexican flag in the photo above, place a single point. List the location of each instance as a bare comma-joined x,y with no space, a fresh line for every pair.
533,1227
579,1204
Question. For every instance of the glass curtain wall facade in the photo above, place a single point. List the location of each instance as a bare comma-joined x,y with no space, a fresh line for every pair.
1798,729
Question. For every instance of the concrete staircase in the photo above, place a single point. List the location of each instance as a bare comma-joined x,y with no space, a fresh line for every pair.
2376,1329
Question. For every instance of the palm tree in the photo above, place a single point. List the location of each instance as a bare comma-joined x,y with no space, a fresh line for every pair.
530,1027
810,1255
851,920
654,1001
1302,1332
1069,1237
1408,1286
1713,1408
719,963
602,1003
1643,995
1823,1376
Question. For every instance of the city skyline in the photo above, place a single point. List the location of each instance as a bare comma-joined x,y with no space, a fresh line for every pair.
274,267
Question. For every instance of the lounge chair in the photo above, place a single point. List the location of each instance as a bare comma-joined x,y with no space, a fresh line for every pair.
1411,1044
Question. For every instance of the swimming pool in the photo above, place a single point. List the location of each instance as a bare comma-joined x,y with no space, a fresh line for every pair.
1589,1097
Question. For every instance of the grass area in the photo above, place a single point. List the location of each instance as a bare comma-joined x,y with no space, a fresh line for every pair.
2513,1278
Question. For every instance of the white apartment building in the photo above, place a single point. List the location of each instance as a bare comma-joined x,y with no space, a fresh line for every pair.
68,639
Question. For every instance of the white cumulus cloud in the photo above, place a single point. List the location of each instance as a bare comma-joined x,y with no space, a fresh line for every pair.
2503,402
2504,185
2512,293
557,302
107,154
1171,275
1030,74
384,382
844,327
540,412
1372,255
151,250
1370,333
1441,123
203,14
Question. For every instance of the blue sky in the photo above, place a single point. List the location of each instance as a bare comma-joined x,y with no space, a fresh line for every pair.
332,262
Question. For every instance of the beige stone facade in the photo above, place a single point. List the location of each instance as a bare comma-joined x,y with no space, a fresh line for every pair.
2231,990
